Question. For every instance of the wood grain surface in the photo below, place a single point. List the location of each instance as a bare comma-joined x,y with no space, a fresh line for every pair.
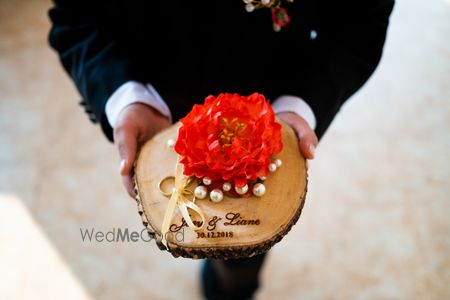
235,227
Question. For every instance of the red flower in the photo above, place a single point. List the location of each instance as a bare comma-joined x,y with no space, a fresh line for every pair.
230,138
280,16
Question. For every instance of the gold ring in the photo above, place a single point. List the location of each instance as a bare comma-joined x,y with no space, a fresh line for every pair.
167,194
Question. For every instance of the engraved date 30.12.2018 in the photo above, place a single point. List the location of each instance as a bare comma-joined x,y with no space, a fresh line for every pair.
215,234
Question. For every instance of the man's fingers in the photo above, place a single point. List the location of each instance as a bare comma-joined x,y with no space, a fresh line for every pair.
126,140
136,124
129,185
308,139
307,147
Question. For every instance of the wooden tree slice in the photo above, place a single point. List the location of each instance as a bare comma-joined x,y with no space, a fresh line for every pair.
235,227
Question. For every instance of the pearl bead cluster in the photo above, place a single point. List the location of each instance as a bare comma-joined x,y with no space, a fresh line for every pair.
273,166
216,195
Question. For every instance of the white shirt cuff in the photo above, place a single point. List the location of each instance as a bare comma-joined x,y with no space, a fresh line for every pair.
133,92
296,105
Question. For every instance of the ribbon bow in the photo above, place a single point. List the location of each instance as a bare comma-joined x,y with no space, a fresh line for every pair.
178,198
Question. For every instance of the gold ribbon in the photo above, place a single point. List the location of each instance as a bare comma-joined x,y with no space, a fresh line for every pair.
178,198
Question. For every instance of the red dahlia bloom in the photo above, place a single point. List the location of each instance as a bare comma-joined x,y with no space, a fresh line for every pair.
230,137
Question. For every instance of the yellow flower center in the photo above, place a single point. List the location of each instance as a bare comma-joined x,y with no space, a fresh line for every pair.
230,129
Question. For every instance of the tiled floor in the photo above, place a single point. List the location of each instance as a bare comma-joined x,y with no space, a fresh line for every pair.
375,226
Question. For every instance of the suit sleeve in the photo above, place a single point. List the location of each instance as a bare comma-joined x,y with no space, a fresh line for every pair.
89,55
345,53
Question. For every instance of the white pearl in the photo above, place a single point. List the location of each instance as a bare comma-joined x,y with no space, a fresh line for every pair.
226,186
248,1
265,2
200,192
250,7
206,180
272,167
170,143
263,177
216,195
242,190
259,189
278,162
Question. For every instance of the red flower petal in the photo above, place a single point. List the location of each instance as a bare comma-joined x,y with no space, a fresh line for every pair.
229,137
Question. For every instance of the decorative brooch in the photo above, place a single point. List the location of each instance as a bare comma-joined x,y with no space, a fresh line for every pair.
280,17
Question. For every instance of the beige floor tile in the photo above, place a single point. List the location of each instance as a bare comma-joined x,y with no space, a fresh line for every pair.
375,225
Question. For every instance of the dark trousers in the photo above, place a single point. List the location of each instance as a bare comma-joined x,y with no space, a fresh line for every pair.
233,278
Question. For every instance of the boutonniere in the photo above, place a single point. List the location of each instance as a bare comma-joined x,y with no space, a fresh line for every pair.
280,17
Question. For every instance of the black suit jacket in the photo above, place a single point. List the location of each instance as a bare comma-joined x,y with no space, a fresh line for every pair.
191,49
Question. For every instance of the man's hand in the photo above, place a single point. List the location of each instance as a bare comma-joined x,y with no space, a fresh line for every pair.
136,124
308,139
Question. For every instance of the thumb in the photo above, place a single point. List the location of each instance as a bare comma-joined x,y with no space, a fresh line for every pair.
126,140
